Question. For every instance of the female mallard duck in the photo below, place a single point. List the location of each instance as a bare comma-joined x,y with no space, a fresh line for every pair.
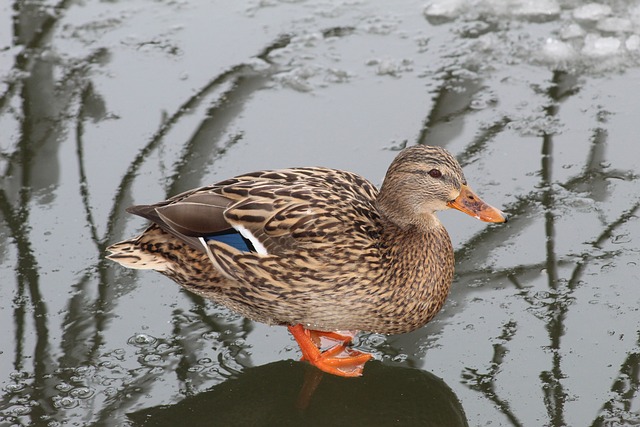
319,250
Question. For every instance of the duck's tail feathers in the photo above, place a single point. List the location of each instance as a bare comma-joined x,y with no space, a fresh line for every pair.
128,254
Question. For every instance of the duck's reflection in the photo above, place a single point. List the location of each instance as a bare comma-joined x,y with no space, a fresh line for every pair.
293,393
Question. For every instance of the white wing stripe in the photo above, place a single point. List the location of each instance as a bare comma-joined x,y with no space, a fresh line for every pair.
250,237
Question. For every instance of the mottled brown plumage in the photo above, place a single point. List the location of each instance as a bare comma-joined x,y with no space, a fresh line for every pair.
336,253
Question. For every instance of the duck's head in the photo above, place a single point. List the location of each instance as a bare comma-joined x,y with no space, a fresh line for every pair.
423,180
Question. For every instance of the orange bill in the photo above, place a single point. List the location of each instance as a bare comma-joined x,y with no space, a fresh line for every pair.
469,203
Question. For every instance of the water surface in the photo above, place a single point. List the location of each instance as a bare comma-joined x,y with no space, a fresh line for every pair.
108,104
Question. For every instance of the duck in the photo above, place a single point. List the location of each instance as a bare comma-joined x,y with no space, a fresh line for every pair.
321,251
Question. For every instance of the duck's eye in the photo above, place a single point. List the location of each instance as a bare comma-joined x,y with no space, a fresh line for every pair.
435,173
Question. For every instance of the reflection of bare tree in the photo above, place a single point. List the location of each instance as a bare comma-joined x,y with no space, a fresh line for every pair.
485,382
623,391
32,170
227,93
46,104
592,179
86,319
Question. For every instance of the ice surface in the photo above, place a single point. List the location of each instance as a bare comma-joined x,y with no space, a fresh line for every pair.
592,36
591,12
595,45
572,30
451,9
532,8
633,42
445,10
634,17
557,51
614,25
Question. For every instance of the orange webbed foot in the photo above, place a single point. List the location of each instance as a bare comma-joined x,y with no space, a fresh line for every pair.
338,359
324,339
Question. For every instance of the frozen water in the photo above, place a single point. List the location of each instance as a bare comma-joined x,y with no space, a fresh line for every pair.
633,42
557,51
445,10
591,12
595,45
571,31
532,8
451,9
614,25
634,16
579,37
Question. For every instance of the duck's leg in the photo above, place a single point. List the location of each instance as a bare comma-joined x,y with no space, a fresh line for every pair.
337,360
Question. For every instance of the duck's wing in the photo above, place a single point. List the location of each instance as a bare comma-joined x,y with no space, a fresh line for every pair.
188,216
279,212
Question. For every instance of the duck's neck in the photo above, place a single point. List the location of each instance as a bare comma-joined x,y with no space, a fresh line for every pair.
420,246
401,213
420,265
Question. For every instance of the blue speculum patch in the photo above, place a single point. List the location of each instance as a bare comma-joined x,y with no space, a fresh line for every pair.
233,239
